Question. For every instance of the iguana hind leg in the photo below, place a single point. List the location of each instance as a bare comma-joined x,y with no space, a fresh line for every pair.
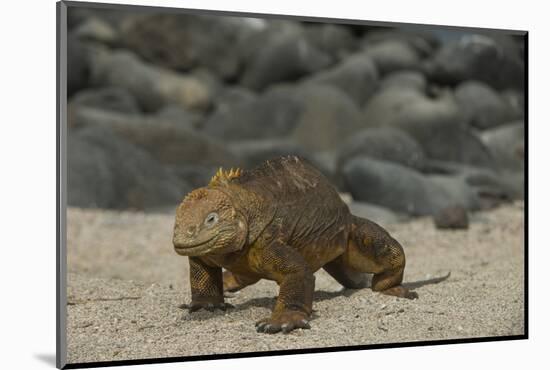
371,249
342,273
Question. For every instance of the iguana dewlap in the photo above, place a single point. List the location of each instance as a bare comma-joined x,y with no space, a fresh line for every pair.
281,221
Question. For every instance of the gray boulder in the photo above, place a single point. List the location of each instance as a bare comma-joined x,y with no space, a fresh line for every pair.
452,217
328,116
96,30
387,103
475,57
326,162
273,114
356,75
152,87
79,15
184,41
402,189
266,31
506,144
423,43
78,64
228,97
104,171
515,99
196,175
113,99
179,116
168,141
393,55
383,143
436,123
484,107
279,55
335,40
405,79
491,186
90,178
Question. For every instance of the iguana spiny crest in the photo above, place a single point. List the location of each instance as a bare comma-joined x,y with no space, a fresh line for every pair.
223,177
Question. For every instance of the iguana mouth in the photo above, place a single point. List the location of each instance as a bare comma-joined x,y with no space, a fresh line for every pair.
194,248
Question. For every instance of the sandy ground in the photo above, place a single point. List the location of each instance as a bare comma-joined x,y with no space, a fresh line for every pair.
125,285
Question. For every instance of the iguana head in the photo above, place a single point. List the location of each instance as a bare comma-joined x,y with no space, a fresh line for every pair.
208,223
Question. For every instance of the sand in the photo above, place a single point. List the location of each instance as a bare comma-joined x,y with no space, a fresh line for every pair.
125,284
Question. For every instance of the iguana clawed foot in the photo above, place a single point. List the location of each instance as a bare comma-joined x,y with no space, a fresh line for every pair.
285,322
211,307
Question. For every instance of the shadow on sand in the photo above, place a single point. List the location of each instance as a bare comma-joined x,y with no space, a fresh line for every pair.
319,296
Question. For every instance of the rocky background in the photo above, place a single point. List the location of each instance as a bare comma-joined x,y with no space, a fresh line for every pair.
404,122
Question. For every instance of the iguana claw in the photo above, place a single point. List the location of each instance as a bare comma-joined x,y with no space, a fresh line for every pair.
285,322
210,307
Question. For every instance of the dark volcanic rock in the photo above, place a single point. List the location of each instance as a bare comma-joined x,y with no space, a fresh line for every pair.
168,141
383,143
108,98
476,57
333,39
195,175
506,143
437,124
90,178
231,96
279,54
274,114
491,187
152,87
403,189
104,171
422,42
328,116
388,102
516,100
179,116
182,41
78,65
452,217
266,31
96,30
393,55
356,75
77,16
405,79
484,107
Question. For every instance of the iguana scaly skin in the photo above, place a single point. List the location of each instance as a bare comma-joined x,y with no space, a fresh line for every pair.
281,221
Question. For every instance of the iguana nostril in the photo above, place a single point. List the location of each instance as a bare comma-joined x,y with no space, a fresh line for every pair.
191,230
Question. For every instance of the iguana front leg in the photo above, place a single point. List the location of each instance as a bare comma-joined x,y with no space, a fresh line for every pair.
206,286
287,267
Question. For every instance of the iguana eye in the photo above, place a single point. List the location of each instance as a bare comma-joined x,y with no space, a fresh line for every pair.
211,219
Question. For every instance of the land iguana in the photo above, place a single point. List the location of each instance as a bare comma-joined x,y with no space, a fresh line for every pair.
281,221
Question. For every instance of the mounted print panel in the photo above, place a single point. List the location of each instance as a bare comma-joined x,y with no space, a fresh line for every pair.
239,184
